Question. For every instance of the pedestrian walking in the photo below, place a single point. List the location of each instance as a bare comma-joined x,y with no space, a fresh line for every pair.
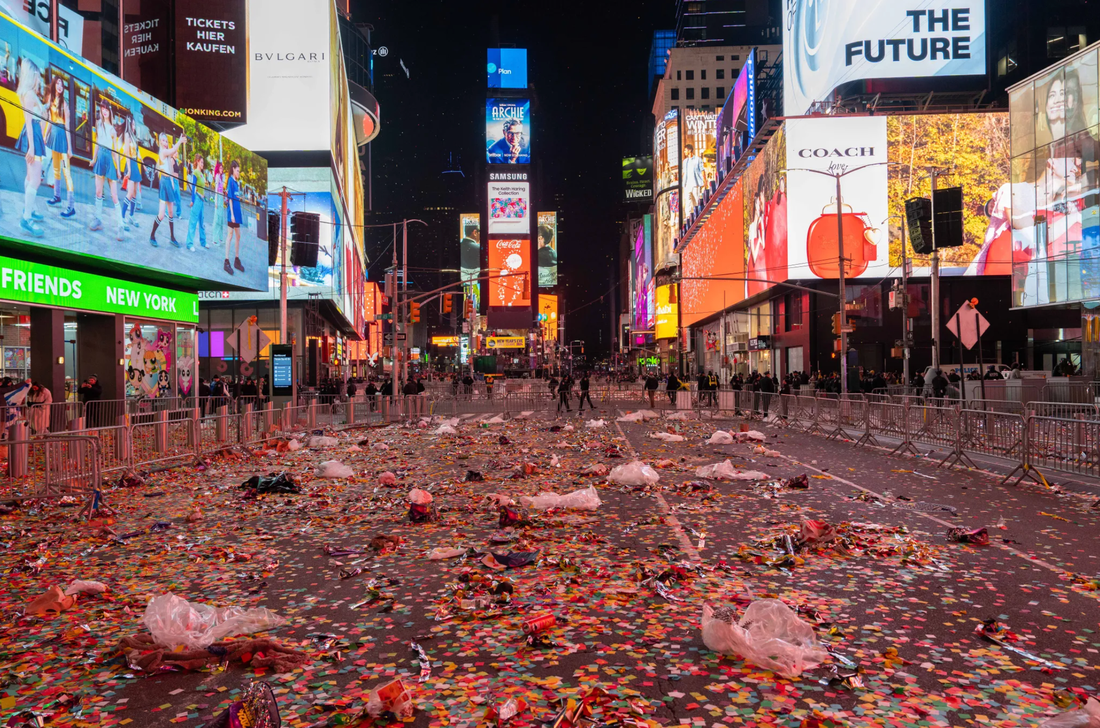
651,388
584,394
671,386
564,388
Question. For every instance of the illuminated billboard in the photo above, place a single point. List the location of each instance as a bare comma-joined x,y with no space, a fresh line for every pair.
698,156
506,68
510,263
509,208
548,316
548,249
764,189
469,231
737,120
36,16
666,168
638,178
826,45
210,48
668,305
508,131
109,153
642,261
716,252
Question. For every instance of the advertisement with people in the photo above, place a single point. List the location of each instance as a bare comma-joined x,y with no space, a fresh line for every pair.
508,208
714,253
508,131
643,275
469,254
765,218
817,150
737,120
973,149
510,263
548,249
1055,185
98,172
698,156
666,167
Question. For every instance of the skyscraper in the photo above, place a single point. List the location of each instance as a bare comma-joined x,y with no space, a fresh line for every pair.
728,22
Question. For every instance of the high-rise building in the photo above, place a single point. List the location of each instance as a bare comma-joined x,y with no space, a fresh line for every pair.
728,22
663,42
700,78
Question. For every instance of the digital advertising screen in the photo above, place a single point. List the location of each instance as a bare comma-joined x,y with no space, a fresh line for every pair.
211,57
506,68
764,190
666,169
35,14
149,161
698,155
737,120
548,316
642,260
716,251
825,46
469,231
509,212
508,131
638,178
507,258
146,60
829,144
668,305
547,235
328,273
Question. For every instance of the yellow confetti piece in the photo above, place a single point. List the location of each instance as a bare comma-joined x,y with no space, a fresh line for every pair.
1051,515
7,702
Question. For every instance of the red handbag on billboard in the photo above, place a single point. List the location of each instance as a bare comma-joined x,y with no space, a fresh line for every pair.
822,251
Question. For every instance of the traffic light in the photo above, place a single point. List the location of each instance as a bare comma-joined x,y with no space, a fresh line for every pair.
526,287
414,312
469,313
447,307
836,324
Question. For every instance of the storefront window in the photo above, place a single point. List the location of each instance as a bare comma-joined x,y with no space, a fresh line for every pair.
150,357
15,330
186,371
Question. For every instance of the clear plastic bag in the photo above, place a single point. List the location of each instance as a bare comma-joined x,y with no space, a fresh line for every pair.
79,586
174,621
1087,717
445,430
318,441
579,500
639,416
419,497
681,415
634,473
725,471
769,634
595,424
667,437
750,436
721,437
334,469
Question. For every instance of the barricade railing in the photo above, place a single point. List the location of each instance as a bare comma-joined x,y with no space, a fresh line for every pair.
1068,410
1079,392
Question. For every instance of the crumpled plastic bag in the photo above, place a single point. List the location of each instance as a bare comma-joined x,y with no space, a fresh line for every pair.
721,437
725,471
393,697
334,469
595,424
442,552
750,436
174,621
419,496
633,473
272,483
387,478
318,441
293,445
445,430
639,416
1087,717
769,634
580,500
498,420
761,450
680,415
79,586
667,437
599,470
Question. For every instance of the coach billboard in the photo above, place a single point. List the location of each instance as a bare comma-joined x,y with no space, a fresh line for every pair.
826,44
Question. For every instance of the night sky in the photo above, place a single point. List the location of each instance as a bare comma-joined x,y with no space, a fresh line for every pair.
588,63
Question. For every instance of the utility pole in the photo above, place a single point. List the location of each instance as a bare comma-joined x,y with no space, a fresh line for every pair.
935,280
904,308
843,300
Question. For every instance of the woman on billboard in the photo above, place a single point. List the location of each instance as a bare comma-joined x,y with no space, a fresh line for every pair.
218,230
103,164
132,184
169,187
233,203
31,142
60,145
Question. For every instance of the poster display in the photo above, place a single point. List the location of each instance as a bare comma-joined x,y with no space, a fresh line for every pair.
508,131
737,120
35,14
469,231
638,178
506,68
211,58
716,251
548,316
857,145
509,257
643,276
509,212
764,191
667,323
548,249
829,44
123,171
698,156
666,169
149,354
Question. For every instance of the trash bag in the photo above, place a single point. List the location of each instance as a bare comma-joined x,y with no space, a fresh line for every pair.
498,420
1087,717
334,469
440,553
420,506
272,483
769,635
976,536
393,698
667,437
633,473
387,478
639,416
474,476
750,436
580,500
725,471
599,470
419,496
174,621
79,586
595,424
293,445
445,430
320,441
721,437
680,415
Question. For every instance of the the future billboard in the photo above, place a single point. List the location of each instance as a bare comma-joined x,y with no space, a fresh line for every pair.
506,68
508,131
469,232
509,208
829,44
737,120
764,189
136,185
716,252
510,268
666,169
638,178
548,249
698,156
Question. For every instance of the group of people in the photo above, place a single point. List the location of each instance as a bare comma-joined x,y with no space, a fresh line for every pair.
563,389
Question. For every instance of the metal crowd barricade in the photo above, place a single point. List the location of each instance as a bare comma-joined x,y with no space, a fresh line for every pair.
1067,410
1068,446
884,419
50,467
1068,392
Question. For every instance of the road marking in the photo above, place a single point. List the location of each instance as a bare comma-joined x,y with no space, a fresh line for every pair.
671,520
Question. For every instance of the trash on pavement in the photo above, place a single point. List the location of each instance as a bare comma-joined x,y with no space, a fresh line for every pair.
393,698
52,603
667,437
633,473
334,469
725,471
173,621
272,483
639,416
319,441
769,634
79,586
1086,717
976,536
595,424
387,478
580,500
440,553
720,437
256,709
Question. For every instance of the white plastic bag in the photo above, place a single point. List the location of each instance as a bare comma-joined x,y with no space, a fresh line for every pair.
633,473
761,450
174,621
293,444
769,635
750,436
79,586
318,441
387,478
579,500
667,437
721,437
595,424
599,470
498,420
680,415
639,416
445,430
725,471
1087,717
419,497
334,469
442,552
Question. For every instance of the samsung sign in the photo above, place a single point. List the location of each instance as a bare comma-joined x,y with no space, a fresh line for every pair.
506,68
827,43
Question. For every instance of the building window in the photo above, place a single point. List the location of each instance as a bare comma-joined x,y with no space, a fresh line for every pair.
703,74
720,92
738,58
676,97
734,72
678,78
690,75
1006,59
705,91
676,107
1063,41
722,58
793,307
690,94
722,74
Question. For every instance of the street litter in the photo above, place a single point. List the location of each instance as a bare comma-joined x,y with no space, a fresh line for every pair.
1086,717
639,416
174,621
667,437
720,437
333,469
595,424
580,500
445,430
387,478
633,473
725,471
272,483
321,442
769,634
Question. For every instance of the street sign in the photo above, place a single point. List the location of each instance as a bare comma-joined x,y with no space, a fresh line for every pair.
387,339
400,335
251,337
971,321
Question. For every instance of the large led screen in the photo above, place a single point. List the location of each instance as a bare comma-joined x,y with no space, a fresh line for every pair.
506,68
509,208
817,149
638,178
764,188
826,44
508,131
666,168
510,266
548,249
667,312
716,252
698,156
642,260
97,172
469,231
211,58
737,120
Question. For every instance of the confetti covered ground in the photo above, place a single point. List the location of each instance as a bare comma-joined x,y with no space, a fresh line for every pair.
921,630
